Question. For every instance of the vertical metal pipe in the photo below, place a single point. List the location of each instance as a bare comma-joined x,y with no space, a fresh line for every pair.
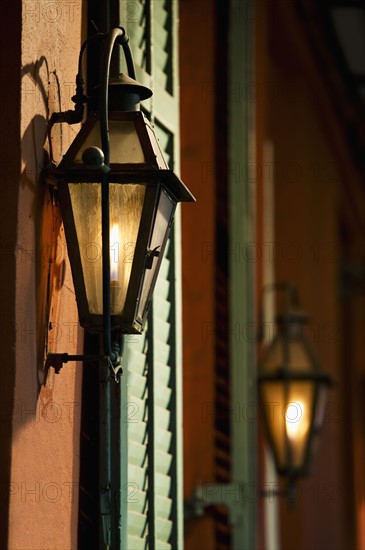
110,458
104,131
104,456
106,485
105,232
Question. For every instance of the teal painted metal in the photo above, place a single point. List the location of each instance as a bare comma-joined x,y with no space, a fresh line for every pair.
104,457
242,273
151,432
123,442
176,387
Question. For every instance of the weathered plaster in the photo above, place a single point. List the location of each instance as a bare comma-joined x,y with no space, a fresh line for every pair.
46,415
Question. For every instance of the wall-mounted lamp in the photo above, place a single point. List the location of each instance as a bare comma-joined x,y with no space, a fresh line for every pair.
292,391
117,197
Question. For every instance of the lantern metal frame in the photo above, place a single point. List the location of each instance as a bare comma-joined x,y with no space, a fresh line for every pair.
292,317
154,174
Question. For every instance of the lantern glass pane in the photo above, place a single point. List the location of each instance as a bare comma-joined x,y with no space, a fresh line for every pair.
86,209
274,356
125,145
298,419
288,408
294,355
273,402
164,213
322,391
299,357
126,203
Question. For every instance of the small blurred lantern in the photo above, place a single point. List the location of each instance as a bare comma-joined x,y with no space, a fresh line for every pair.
292,391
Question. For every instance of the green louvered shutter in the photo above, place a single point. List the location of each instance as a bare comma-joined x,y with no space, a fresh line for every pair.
151,496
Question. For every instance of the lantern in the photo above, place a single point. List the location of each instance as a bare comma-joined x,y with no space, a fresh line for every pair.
117,197
292,390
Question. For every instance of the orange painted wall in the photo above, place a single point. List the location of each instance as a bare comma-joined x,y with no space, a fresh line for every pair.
197,169
46,413
307,253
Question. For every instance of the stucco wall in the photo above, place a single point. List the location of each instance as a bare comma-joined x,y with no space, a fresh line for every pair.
198,165
46,414
10,29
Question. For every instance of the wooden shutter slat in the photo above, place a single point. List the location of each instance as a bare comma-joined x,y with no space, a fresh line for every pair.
163,395
134,413
162,309
163,506
163,373
162,43
163,528
137,385
163,439
162,418
137,342
138,502
162,330
137,454
163,484
163,462
160,13
136,543
137,524
138,433
162,288
138,476
138,359
163,352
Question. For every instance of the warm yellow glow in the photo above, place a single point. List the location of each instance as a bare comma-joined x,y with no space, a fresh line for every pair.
295,419
114,251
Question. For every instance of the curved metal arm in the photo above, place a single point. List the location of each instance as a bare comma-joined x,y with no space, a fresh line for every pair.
115,35
124,41
76,115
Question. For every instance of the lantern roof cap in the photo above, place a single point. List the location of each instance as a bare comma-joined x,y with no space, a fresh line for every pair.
128,84
124,93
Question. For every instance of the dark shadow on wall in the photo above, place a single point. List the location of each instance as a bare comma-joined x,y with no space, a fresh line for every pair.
43,254
23,155
10,60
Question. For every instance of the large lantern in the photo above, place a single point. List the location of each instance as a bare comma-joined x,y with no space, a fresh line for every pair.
292,390
118,197
143,193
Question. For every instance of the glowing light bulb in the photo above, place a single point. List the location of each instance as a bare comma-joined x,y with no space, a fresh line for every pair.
295,420
115,287
114,252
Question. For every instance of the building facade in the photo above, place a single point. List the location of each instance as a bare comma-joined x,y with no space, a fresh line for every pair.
252,107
